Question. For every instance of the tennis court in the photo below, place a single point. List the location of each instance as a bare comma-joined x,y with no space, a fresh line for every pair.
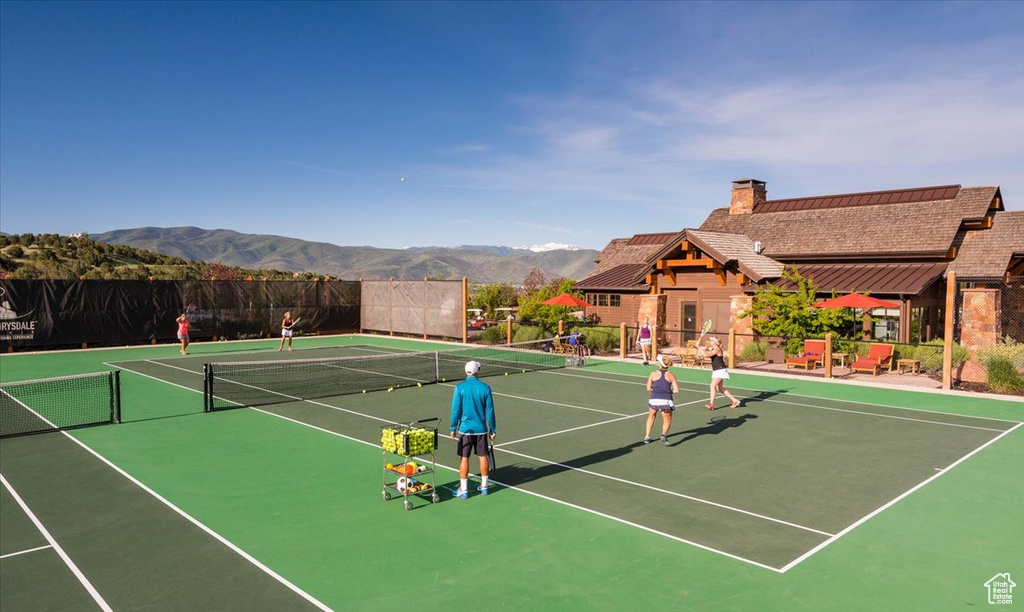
808,496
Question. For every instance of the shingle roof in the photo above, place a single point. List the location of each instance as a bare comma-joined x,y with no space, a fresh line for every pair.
988,252
728,248
632,250
621,277
922,228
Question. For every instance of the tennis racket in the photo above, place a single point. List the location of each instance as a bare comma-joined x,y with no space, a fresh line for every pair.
189,311
704,329
492,464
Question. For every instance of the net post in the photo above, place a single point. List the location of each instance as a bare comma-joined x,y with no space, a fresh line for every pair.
622,341
732,349
947,337
827,357
508,331
437,366
207,392
115,395
654,341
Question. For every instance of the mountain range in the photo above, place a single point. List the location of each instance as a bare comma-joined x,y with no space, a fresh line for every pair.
479,263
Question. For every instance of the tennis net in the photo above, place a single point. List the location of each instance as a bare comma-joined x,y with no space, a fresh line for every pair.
51,404
258,383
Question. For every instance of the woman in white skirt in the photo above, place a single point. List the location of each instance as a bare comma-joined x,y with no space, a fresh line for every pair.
719,373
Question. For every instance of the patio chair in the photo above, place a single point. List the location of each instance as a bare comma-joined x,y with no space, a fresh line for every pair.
879,356
814,350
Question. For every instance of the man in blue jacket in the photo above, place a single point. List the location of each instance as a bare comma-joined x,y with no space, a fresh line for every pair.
472,423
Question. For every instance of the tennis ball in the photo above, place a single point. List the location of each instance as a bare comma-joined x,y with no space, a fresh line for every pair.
390,389
419,384
506,373
364,390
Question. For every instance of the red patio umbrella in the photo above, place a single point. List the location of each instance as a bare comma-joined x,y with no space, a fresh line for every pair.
858,301
566,299
855,300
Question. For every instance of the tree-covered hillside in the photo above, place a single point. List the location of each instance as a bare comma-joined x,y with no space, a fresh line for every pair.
51,256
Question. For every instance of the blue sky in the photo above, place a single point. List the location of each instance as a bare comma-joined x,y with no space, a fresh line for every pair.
511,123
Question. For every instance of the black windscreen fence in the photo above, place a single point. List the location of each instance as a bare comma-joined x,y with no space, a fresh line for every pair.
55,313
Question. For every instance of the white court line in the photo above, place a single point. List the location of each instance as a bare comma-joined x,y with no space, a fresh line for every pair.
555,433
546,498
889,504
22,552
667,492
642,527
60,551
775,398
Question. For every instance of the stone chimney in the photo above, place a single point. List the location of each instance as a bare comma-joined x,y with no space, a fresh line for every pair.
746,194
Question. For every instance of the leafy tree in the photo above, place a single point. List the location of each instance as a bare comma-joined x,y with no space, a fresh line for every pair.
494,295
531,309
533,281
788,313
220,271
15,251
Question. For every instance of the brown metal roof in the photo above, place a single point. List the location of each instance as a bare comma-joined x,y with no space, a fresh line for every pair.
619,277
869,198
659,238
901,279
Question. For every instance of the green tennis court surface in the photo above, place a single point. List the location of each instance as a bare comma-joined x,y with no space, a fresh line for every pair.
809,496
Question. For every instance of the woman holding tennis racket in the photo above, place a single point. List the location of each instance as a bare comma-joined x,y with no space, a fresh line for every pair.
719,373
286,331
661,384
182,321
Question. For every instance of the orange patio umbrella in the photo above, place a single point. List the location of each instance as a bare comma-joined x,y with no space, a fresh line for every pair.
566,299
855,300
858,301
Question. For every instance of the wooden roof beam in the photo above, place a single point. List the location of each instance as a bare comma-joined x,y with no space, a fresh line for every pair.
684,263
671,275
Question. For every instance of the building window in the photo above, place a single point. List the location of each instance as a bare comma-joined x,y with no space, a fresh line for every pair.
615,300
602,299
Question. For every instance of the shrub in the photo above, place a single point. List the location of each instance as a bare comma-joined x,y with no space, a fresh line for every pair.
754,351
1003,377
601,338
493,335
527,333
930,355
1008,349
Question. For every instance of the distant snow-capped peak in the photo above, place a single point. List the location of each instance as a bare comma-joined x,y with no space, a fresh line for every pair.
550,246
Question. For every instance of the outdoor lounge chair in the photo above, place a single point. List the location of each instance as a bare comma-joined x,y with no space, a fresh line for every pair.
879,356
814,351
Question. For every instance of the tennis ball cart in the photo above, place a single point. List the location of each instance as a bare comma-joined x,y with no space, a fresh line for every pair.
409,460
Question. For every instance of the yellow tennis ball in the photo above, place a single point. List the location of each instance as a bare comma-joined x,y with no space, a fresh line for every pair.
419,384
390,389
364,390
506,373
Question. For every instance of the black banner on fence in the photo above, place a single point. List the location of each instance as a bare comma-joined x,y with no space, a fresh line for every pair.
55,313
